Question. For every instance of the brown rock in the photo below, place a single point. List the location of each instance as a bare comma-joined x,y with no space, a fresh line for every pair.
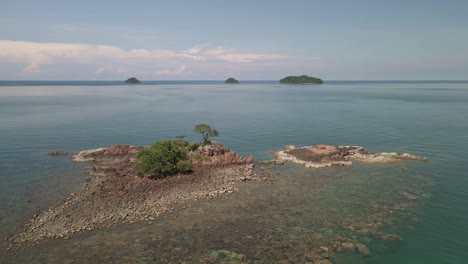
407,195
347,245
317,236
322,261
324,248
363,249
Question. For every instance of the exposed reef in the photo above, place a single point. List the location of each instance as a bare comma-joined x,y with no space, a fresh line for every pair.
114,194
321,156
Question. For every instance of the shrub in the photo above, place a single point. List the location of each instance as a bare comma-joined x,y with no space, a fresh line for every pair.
162,159
184,166
193,146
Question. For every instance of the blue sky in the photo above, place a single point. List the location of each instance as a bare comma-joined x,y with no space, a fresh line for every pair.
264,40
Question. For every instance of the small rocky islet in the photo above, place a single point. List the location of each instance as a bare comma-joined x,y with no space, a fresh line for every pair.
320,156
114,195
132,80
231,81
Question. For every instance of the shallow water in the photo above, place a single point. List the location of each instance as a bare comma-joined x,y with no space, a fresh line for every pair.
264,222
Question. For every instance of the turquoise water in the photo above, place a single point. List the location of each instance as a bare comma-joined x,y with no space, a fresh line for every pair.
424,118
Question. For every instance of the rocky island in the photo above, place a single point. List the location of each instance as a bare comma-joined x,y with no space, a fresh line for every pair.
132,80
321,156
231,81
117,192
303,79
130,184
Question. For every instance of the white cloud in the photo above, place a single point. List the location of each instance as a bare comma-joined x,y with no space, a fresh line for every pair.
37,57
172,72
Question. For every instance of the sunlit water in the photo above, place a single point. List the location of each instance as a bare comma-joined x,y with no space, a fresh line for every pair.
265,222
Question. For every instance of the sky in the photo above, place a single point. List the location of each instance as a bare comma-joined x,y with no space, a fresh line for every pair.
245,39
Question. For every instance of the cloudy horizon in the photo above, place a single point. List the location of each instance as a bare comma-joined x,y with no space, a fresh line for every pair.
255,40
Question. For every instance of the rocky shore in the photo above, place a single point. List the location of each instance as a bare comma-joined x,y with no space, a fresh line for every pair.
321,156
114,194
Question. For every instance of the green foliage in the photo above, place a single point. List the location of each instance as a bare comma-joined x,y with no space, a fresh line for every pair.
163,158
184,166
231,81
193,146
206,131
181,136
301,79
132,80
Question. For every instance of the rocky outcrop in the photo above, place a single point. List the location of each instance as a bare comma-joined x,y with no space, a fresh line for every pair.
115,153
363,249
114,194
217,155
321,156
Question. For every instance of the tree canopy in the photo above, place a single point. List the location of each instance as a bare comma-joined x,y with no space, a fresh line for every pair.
301,79
163,158
132,80
206,131
231,81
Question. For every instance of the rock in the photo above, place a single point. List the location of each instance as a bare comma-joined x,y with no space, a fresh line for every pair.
322,261
363,249
317,236
112,154
215,154
347,245
390,237
321,156
57,153
407,195
324,248
115,194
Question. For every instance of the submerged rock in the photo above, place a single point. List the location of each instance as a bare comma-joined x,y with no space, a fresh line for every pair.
347,245
321,156
58,153
363,249
408,195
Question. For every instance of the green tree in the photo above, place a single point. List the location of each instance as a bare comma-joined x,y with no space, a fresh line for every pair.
206,131
162,159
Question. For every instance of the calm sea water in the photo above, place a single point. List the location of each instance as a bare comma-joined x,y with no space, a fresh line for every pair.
424,118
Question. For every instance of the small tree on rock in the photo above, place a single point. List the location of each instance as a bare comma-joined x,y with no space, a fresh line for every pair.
206,131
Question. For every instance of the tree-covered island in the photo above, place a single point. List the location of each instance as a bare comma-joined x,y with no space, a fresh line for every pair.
303,79
231,81
132,80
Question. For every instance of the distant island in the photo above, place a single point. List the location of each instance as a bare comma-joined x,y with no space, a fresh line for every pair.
231,80
132,80
301,79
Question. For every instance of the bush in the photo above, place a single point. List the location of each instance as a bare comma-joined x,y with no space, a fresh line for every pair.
184,166
193,146
162,159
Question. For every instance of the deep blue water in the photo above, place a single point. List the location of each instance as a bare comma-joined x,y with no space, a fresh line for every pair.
424,118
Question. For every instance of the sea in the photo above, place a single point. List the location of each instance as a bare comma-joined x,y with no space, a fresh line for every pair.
264,222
